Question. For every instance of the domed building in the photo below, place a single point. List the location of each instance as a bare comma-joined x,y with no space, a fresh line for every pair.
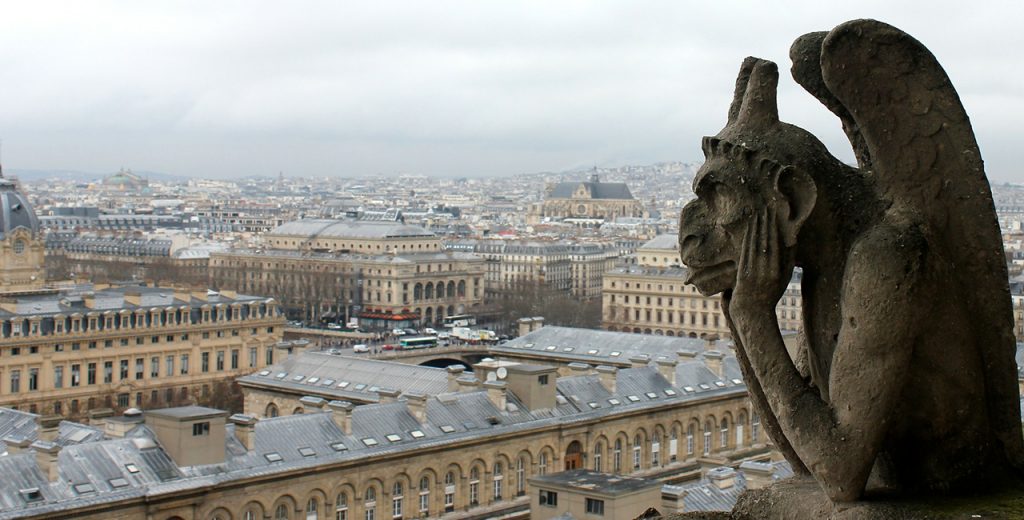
125,181
21,244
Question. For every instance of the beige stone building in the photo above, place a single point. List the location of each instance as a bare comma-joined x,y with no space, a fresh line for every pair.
652,297
382,290
371,237
67,352
385,273
582,493
574,267
70,350
588,203
468,452
589,262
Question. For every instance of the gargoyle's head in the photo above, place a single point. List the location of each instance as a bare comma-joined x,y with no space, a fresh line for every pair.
754,162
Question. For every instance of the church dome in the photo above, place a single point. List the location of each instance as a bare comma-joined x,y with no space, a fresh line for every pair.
15,210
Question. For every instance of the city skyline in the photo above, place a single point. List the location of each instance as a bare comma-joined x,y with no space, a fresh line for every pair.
449,89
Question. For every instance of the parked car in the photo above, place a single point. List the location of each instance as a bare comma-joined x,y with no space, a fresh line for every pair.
389,346
333,326
398,332
360,348
411,332
430,331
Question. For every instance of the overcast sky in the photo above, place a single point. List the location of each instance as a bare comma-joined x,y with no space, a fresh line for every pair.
223,89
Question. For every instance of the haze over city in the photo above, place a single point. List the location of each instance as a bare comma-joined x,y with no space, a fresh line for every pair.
442,88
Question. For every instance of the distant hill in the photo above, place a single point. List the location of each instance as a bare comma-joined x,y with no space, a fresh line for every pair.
80,176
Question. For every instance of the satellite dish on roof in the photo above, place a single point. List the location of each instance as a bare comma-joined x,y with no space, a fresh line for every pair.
502,372
491,376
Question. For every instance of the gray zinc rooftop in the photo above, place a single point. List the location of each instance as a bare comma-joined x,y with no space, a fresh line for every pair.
345,377
101,471
347,228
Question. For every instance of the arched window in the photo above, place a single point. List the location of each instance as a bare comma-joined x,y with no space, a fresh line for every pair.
370,504
498,477
741,423
723,438
250,515
341,507
689,439
673,444
449,491
272,410
520,477
425,496
542,466
707,437
637,445
462,288
281,513
312,509
428,291
474,486
598,449
397,499
617,456
417,292
656,450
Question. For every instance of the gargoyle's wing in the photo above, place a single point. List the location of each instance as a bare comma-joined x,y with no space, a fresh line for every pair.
921,148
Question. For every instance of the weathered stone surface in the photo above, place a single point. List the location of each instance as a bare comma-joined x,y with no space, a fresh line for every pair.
803,498
910,381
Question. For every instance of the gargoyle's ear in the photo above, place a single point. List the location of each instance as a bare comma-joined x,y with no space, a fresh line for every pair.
799,195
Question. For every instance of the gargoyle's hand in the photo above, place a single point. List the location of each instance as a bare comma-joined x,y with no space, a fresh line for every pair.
764,267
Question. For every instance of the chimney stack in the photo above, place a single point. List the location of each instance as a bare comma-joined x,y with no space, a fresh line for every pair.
388,395
667,369
341,412
579,369
48,426
673,499
607,376
468,383
758,474
245,430
118,427
16,444
311,404
713,359
639,361
98,417
454,373
723,477
417,404
497,394
711,342
46,456
686,355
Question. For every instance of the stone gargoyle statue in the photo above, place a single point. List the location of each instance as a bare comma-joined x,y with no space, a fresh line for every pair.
909,385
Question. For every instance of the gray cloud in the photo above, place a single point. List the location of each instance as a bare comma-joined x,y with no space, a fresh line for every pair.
444,88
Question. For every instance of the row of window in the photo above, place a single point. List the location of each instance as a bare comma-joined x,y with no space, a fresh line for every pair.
93,375
125,320
372,503
715,304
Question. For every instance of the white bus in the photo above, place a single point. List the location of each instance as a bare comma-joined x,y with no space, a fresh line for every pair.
460,320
